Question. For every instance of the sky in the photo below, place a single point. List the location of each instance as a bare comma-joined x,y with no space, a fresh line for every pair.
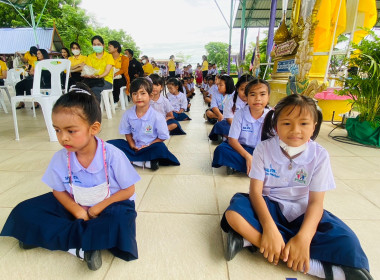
161,28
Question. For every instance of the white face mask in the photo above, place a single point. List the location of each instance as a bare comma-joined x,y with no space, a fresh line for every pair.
75,52
143,61
292,151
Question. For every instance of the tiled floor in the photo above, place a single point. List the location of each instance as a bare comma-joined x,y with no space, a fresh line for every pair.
179,208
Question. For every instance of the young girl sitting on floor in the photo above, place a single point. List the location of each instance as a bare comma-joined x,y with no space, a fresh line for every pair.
239,100
177,99
93,190
163,106
205,90
283,213
245,132
145,130
219,98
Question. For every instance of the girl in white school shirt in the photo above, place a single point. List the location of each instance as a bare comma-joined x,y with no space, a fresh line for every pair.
177,99
91,206
145,130
283,213
245,132
234,104
162,105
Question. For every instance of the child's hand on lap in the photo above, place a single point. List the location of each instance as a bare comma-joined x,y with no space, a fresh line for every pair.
296,254
272,245
248,161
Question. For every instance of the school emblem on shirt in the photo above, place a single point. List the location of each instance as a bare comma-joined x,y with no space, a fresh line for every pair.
246,128
148,129
301,176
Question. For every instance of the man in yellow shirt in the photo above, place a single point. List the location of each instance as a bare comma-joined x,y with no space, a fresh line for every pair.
3,72
171,66
147,67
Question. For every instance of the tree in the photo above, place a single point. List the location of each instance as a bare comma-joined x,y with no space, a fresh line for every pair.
182,57
217,52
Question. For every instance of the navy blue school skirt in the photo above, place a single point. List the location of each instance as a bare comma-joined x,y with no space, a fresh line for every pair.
334,242
212,120
178,130
157,151
181,117
43,221
225,155
220,128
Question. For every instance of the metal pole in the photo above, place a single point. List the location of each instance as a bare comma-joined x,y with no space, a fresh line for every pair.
33,24
245,41
353,29
229,44
332,44
242,32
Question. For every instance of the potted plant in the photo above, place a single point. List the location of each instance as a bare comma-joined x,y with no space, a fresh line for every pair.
363,86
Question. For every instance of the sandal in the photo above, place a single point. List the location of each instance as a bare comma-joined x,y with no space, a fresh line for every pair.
20,106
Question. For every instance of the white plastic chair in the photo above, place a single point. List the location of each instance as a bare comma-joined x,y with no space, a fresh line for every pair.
123,99
107,99
13,77
55,67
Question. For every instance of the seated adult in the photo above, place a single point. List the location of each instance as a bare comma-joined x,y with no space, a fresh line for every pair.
121,68
77,63
29,57
147,67
135,69
24,87
103,63
3,72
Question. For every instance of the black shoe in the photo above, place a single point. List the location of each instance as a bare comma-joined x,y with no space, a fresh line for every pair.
230,170
351,273
154,164
234,244
20,106
24,246
93,259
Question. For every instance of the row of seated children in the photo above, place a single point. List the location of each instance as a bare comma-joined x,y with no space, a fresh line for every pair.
188,86
205,89
93,189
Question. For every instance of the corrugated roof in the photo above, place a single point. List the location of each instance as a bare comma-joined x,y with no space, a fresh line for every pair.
258,12
21,39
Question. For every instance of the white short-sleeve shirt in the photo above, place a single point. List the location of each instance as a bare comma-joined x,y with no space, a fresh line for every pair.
162,105
247,129
121,173
146,129
227,112
219,100
310,171
178,101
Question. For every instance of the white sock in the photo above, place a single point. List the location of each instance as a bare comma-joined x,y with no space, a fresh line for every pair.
147,164
74,252
316,269
138,163
246,243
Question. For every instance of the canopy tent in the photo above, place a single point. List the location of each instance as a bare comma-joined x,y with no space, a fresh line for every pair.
21,39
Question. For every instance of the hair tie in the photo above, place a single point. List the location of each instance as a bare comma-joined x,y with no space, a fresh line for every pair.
78,90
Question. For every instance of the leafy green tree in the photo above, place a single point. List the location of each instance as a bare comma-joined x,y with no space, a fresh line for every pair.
217,52
183,57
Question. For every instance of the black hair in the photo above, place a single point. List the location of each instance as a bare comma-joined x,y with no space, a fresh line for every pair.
157,80
191,77
293,100
130,51
44,53
97,37
229,82
175,82
80,97
185,78
116,45
33,50
254,82
141,83
74,43
67,50
243,79
210,78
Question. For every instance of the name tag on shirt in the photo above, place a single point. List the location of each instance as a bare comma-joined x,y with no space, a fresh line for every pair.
247,128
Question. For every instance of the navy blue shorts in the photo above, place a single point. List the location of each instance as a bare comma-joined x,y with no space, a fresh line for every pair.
225,155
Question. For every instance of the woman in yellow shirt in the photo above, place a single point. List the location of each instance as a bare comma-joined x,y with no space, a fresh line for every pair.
77,63
29,57
3,72
103,63
171,66
204,67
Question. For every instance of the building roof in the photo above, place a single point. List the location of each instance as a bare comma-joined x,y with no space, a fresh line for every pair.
257,13
21,39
